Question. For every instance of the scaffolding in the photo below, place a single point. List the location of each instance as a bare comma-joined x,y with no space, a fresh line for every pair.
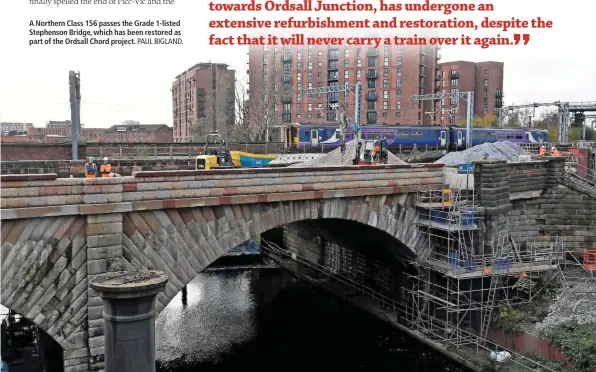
462,276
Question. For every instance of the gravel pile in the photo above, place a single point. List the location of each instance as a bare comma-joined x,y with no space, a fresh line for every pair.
497,151
336,158
569,305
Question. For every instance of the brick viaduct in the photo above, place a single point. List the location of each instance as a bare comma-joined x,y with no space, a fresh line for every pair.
59,233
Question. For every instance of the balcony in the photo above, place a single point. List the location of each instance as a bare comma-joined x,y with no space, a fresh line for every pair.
333,66
454,74
286,57
372,74
371,95
333,97
372,52
333,55
333,76
287,78
499,93
286,98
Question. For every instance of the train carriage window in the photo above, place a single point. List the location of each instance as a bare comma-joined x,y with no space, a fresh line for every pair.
501,135
519,136
388,135
402,134
416,134
373,135
540,137
509,135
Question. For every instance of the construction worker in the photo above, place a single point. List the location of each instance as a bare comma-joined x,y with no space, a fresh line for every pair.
554,152
376,150
106,168
90,169
542,151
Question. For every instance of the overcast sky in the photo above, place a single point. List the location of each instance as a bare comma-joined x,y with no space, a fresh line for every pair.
133,83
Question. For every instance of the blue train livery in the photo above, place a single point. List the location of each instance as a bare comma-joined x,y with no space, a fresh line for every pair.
314,136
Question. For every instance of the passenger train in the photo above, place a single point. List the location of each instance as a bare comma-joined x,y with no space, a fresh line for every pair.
310,136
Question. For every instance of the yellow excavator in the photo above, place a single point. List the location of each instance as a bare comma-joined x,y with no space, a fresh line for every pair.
216,154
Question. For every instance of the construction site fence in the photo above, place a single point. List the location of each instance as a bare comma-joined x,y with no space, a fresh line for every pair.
409,317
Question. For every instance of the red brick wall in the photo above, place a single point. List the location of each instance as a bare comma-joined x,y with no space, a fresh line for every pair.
39,151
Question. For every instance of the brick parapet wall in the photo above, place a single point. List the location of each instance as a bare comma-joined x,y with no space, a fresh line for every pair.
76,168
29,196
63,151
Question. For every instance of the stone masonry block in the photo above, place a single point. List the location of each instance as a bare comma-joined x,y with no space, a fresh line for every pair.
100,253
104,228
103,218
94,241
97,266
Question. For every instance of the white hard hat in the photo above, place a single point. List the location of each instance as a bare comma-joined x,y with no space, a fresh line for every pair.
105,159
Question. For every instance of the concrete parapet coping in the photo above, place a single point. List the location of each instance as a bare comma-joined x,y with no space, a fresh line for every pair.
182,173
28,177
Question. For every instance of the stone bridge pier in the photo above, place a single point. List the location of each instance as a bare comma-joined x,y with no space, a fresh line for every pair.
58,234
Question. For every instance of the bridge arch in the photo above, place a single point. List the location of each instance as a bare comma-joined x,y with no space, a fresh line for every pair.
182,242
44,275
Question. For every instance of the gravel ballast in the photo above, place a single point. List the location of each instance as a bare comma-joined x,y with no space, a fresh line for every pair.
336,158
497,151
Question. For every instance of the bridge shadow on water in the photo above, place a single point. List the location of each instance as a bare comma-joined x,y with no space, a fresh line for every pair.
300,328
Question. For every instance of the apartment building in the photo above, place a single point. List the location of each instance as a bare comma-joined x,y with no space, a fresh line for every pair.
389,76
7,128
203,95
485,79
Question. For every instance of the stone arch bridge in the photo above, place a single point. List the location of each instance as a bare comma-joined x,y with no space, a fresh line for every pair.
59,233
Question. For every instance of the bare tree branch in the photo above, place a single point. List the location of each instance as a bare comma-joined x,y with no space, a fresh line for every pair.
254,114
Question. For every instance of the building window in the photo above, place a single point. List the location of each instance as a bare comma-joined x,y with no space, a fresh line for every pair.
372,61
309,85
386,49
347,63
385,105
309,55
399,83
358,74
299,65
310,107
346,53
346,74
399,60
310,65
320,64
385,83
385,94
287,107
400,50
358,62
286,117
371,105
386,61
372,83
299,55
486,82
298,76
371,117
310,76
398,70
398,105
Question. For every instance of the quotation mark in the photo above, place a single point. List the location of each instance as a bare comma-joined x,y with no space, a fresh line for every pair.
519,37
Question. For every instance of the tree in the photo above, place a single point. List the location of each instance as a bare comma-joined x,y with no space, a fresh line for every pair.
487,121
255,114
549,120
521,117
198,131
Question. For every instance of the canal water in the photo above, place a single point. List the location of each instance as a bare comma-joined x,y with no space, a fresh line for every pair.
266,319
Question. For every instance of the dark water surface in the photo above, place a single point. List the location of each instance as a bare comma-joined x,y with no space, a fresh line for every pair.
266,320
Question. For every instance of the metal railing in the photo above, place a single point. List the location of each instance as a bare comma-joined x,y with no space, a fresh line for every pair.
400,308
580,174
